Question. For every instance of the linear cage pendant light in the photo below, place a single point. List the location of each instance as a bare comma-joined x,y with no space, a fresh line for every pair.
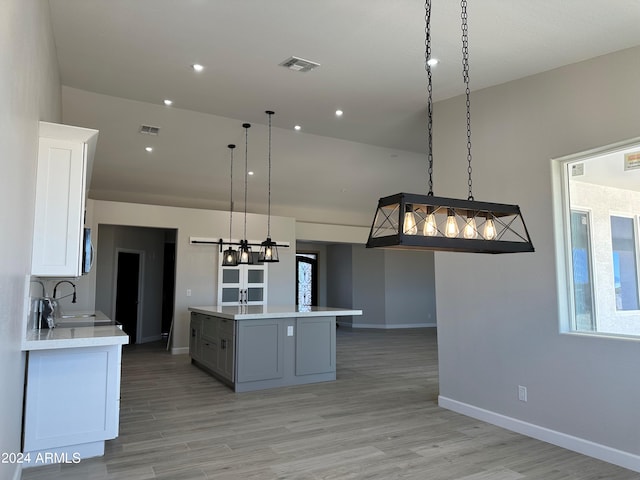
427,222
268,248
230,256
245,255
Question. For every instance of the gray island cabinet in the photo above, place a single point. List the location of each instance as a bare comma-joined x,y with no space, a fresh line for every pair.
255,347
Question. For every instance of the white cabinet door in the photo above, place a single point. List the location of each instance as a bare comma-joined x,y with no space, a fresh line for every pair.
243,284
59,211
72,397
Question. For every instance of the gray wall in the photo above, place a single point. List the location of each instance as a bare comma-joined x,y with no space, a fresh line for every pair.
409,288
339,278
394,289
151,242
368,285
498,316
29,92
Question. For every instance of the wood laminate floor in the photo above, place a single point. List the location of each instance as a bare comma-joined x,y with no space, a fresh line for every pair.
379,420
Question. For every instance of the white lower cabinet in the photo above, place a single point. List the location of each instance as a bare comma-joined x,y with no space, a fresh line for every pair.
72,402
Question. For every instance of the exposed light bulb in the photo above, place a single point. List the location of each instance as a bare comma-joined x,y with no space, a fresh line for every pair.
410,227
268,253
451,229
244,256
430,228
489,232
229,257
470,231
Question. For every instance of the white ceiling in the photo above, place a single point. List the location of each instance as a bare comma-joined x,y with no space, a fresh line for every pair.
372,67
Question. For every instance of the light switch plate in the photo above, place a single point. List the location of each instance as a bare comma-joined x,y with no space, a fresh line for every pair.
290,331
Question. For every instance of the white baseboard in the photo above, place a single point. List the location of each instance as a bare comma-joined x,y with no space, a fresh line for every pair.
576,444
179,350
388,326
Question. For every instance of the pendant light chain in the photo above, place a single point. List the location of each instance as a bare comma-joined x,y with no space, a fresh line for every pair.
427,66
246,169
231,147
269,112
465,75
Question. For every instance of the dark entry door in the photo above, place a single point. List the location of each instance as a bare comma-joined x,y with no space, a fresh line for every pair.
306,281
127,293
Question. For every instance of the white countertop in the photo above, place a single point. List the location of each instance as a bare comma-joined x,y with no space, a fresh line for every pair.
254,312
76,332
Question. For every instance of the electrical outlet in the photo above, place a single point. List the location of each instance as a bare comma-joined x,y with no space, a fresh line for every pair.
290,331
522,393
188,292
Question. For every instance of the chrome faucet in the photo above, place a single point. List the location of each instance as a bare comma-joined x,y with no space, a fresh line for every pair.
37,306
44,291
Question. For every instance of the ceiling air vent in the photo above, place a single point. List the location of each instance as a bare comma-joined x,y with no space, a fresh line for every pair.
299,64
149,130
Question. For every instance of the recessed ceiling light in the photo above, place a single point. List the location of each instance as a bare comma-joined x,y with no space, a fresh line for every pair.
297,127
168,102
197,67
433,62
149,149
249,173
339,113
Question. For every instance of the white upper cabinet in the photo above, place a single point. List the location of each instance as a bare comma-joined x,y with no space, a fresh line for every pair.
65,157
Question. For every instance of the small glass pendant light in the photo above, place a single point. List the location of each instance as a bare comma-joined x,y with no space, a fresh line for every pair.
245,255
268,248
230,256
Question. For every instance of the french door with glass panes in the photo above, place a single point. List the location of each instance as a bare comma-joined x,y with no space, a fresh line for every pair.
242,285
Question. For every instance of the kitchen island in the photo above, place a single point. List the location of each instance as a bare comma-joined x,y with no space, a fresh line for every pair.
255,347
72,397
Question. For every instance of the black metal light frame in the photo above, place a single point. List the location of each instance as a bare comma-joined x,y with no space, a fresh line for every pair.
422,222
509,232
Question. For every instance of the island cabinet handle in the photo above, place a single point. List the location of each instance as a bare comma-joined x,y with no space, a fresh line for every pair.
223,344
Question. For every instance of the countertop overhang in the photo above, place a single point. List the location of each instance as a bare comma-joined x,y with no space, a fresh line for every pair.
80,330
255,312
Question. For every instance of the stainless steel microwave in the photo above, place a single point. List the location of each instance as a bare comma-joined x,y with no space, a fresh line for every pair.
87,252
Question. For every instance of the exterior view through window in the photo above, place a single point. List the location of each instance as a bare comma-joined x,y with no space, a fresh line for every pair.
601,204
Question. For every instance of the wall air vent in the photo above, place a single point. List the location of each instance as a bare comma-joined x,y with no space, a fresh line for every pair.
149,130
299,64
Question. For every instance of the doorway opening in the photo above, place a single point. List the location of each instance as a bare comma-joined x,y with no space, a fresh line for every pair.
128,298
306,279
137,264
